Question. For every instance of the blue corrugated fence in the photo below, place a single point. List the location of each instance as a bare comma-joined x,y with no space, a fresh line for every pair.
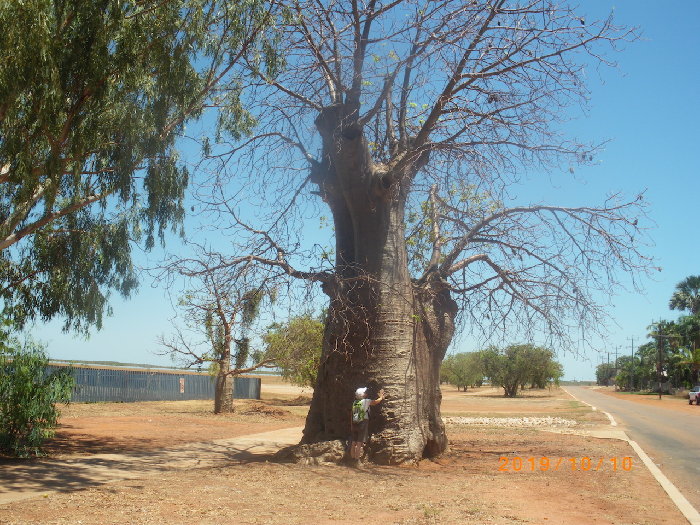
106,384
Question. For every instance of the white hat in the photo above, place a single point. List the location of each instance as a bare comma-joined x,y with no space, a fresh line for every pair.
360,392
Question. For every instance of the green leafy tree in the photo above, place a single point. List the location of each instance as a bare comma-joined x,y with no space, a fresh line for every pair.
604,374
93,95
28,398
464,369
667,339
687,295
691,358
647,354
519,365
545,369
628,372
295,348
685,361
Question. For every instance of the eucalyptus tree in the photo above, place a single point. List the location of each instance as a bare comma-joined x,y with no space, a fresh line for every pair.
406,122
93,95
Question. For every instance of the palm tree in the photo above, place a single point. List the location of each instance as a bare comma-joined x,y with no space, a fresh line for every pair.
691,357
687,295
689,329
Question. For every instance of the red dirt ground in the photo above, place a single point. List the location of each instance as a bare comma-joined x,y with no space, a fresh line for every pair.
464,486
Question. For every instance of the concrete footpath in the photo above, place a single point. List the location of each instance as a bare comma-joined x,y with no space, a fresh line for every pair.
30,479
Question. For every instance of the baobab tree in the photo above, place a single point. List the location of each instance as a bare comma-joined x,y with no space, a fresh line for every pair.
218,307
407,121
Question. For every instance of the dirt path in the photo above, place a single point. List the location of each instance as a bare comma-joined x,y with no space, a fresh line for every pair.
23,480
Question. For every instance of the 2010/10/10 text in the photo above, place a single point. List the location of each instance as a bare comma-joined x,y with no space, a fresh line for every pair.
544,463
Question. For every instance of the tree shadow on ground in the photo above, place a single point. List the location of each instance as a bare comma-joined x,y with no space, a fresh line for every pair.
66,442
295,402
518,396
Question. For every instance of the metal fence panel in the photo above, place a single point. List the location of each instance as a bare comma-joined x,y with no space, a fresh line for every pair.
246,387
99,384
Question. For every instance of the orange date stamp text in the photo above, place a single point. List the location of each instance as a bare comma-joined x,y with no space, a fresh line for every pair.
572,464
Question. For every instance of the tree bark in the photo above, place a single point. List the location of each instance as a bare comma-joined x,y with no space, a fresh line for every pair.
223,394
383,330
384,339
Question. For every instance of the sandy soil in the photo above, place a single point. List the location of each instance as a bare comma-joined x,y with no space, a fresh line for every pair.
121,427
480,480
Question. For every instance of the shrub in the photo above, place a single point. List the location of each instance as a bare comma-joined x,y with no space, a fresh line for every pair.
28,398
295,347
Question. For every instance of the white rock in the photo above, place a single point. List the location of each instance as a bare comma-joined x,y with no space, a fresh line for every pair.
512,421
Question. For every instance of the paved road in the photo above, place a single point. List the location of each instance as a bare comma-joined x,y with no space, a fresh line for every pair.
670,438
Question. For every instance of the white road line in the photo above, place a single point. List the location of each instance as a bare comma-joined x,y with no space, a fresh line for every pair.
678,499
612,419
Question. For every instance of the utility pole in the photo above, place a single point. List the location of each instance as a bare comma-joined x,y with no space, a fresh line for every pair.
632,365
659,348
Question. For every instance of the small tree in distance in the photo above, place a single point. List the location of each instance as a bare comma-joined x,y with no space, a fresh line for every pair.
219,309
463,370
520,364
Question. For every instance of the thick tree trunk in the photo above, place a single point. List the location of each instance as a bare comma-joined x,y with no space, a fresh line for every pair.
510,390
383,330
395,341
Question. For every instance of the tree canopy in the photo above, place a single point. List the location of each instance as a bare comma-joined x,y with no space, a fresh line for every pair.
520,364
463,370
442,109
295,348
687,295
92,98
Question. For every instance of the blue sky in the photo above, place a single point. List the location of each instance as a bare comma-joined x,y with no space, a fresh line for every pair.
649,109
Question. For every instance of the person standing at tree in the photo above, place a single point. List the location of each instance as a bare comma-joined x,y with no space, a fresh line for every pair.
359,421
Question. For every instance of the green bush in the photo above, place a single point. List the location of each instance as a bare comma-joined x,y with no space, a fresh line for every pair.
28,398
295,348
